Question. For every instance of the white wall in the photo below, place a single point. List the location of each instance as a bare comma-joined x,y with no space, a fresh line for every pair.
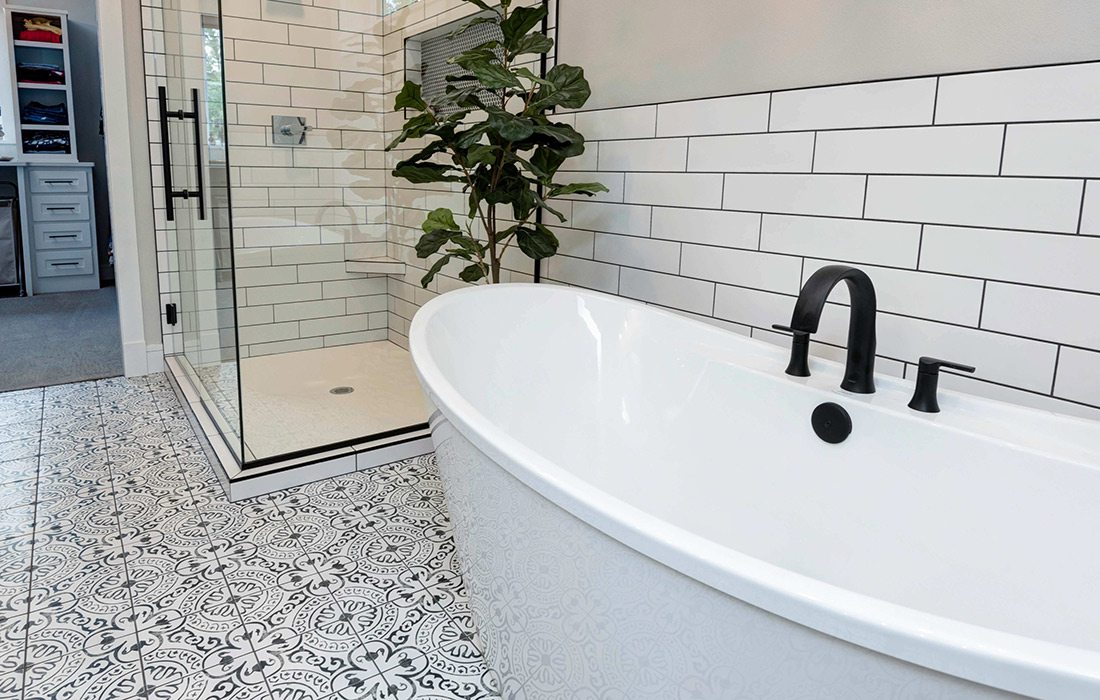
638,51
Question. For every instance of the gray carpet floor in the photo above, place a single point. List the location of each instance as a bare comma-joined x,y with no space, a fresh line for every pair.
59,338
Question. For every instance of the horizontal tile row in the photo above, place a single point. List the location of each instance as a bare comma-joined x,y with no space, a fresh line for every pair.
1042,94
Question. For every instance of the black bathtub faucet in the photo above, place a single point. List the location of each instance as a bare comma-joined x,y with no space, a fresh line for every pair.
859,370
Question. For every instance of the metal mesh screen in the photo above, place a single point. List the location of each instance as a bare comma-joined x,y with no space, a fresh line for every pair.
434,68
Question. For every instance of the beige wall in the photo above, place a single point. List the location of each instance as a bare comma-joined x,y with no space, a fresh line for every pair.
706,48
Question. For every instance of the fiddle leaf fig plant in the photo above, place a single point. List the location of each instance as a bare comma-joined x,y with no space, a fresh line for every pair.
492,133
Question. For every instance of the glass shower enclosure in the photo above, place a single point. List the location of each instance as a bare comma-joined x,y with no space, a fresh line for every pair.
281,353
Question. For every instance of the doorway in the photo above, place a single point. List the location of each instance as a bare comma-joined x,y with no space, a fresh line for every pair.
59,318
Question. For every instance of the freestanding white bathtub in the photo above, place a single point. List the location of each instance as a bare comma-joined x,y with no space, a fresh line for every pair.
642,510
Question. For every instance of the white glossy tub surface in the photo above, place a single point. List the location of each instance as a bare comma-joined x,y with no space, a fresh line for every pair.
964,542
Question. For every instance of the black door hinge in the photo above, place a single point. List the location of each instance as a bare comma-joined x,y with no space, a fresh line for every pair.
170,314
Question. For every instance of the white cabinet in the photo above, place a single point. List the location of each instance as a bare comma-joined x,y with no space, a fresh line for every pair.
60,215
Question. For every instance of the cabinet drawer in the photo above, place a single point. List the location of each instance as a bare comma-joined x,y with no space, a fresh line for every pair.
64,263
77,234
60,208
58,181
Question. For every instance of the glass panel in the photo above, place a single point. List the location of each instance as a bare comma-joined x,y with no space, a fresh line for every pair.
203,225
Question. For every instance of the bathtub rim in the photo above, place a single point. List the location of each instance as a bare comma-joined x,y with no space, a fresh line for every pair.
1002,660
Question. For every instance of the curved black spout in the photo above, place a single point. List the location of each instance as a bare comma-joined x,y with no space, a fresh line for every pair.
859,371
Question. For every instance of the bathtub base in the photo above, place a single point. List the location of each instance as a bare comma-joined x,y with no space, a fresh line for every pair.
564,611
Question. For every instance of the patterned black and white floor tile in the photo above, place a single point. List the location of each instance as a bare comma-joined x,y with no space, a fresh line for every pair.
125,573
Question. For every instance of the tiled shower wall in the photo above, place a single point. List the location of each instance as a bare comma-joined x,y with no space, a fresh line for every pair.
298,212
971,200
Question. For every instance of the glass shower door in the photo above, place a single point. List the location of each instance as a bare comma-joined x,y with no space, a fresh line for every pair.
197,205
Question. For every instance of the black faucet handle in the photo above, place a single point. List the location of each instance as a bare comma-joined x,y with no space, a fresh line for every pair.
931,364
799,366
925,395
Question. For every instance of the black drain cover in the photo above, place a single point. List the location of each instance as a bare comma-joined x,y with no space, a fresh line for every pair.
340,390
831,423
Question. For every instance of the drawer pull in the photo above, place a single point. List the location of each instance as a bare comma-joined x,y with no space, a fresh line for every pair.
59,182
62,235
64,264
60,208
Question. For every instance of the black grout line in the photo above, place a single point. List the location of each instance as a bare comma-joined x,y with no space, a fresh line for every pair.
866,185
1001,160
1057,362
33,535
935,101
981,305
1081,211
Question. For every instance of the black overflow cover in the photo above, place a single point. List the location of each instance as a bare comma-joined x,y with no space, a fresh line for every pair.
831,423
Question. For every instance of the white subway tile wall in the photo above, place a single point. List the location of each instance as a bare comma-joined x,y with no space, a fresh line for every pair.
972,200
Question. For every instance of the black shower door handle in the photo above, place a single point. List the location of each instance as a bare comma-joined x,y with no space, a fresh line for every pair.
170,193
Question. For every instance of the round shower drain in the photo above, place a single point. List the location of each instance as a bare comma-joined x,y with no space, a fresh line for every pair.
341,390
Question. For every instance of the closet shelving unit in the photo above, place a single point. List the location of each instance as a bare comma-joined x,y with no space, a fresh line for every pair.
30,89
59,244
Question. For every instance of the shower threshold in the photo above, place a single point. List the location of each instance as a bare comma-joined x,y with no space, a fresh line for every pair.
307,415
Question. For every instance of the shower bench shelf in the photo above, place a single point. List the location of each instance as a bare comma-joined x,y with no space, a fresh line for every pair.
375,266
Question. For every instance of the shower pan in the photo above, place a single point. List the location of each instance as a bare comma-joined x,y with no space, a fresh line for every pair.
280,346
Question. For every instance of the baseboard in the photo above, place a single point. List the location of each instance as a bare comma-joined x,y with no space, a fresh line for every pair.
139,359
154,359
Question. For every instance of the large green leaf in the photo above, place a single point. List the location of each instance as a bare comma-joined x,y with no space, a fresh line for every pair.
432,241
414,128
472,273
562,133
482,154
545,162
508,126
409,98
441,219
537,242
467,246
519,22
471,136
423,173
433,271
526,73
536,43
424,153
485,66
585,188
567,88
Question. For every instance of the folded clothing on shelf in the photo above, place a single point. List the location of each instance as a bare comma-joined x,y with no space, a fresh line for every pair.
40,29
45,142
39,73
38,113
39,35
